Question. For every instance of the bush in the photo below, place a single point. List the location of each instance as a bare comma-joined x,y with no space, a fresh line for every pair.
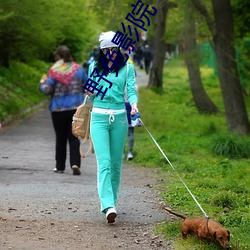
224,200
19,88
231,146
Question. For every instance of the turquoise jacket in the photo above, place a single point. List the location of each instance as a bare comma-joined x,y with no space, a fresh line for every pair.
114,97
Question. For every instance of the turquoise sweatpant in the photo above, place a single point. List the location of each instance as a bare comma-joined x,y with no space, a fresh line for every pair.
108,138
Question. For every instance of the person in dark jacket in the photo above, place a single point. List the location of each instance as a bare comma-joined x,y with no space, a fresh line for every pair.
147,54
64,84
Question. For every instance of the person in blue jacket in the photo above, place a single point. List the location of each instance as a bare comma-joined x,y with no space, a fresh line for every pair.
64,83
109,123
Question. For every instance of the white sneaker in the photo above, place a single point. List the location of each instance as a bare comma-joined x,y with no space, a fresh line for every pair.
130,156
111,214
58,171
76,170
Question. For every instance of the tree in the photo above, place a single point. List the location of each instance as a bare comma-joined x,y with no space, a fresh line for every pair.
242,33
161,35
223,38
201,99
111,13
24,32
241,17
28,33
159,44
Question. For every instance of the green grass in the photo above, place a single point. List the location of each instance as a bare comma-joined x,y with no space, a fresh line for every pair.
214,164
19,87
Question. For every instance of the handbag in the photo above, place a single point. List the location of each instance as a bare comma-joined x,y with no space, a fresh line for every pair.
81,126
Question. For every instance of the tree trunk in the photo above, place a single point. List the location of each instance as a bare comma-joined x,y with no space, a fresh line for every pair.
159,46
201,99
235,109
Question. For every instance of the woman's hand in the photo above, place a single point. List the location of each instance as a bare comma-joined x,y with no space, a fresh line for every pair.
89,93
43,79
134,109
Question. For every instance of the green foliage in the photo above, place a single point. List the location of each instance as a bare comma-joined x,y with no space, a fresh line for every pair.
176,18
112,13
175,24
223,200
219,183
41,29
243,60
19,87
231,146
210,129
170,230
241,17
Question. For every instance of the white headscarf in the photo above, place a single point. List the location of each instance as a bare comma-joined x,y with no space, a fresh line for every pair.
105,40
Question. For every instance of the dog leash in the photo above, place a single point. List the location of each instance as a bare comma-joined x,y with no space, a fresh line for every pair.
174,170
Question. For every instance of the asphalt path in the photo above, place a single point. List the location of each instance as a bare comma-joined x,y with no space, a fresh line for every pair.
31,190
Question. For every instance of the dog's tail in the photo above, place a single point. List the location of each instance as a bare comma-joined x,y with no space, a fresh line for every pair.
175,213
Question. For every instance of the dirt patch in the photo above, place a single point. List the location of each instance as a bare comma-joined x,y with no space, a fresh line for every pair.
51,234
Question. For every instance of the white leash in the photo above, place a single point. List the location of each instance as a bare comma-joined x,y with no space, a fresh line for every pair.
174,170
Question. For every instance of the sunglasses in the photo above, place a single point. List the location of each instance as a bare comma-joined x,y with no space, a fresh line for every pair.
112,49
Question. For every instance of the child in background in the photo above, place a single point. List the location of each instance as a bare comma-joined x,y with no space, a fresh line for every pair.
130,133
130,128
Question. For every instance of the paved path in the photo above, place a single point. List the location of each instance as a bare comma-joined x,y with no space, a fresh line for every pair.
31,191
26,163
141,78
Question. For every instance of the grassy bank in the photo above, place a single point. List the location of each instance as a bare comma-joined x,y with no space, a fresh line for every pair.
212,163
19,88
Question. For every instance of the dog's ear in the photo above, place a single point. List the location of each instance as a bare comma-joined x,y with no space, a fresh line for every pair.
228,237
214,235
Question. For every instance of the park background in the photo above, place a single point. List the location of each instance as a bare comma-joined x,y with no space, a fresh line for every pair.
196,103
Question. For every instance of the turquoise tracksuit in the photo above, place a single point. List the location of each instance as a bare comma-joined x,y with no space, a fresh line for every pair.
109,129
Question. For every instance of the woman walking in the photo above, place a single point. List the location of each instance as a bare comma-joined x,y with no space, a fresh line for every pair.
109,123
65,86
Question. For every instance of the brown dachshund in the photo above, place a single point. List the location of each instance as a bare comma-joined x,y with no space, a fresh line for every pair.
204,229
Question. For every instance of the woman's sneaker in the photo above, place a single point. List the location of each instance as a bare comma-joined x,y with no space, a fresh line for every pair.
111,214
130,156
58,171
76,170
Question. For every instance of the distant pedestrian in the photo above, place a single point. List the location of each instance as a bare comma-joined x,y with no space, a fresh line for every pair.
130,133
92,57
147,54
94,54
65,86
138,56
